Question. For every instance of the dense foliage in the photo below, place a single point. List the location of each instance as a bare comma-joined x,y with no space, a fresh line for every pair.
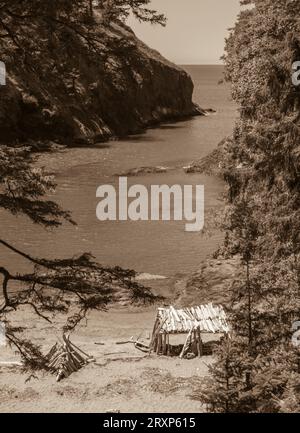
54,20
258,369
121,9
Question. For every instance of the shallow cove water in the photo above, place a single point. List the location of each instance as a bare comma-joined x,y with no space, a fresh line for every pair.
160,248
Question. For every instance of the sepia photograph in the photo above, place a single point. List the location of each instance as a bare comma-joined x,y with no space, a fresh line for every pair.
149,209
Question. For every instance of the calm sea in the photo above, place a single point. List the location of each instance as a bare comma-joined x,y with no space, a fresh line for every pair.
154,247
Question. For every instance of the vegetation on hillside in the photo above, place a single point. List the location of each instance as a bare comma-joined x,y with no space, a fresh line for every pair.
258,368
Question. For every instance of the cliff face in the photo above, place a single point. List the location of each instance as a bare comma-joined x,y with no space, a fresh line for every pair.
75,96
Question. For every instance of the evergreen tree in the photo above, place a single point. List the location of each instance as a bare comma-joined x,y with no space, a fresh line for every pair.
262,171
121,9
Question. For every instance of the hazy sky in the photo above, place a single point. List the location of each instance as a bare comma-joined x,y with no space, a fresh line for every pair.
195,31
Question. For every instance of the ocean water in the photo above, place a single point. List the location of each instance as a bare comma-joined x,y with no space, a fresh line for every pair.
160,248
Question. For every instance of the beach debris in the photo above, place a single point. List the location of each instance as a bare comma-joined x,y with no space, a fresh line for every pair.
31,376
142,347
137,344
11,364
65,358
131,340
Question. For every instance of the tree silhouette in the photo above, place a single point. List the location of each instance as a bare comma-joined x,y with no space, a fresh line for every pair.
53,285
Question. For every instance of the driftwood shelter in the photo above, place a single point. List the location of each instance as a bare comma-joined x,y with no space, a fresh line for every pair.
192,321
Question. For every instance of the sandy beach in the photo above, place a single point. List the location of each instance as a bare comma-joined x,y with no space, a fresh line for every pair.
122,378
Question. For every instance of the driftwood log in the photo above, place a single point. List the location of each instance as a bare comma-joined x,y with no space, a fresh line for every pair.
137,344
66,358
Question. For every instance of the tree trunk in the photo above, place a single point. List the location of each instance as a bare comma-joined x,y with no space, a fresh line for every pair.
250,331
91,8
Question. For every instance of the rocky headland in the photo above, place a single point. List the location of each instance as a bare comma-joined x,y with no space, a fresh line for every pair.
77,97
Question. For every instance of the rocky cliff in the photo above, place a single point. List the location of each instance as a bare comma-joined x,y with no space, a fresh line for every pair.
213,281
73,96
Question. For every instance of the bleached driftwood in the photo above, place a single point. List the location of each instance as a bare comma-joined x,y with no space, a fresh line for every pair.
66,358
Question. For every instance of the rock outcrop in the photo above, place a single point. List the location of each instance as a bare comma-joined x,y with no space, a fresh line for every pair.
76,97
210,164
212,282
